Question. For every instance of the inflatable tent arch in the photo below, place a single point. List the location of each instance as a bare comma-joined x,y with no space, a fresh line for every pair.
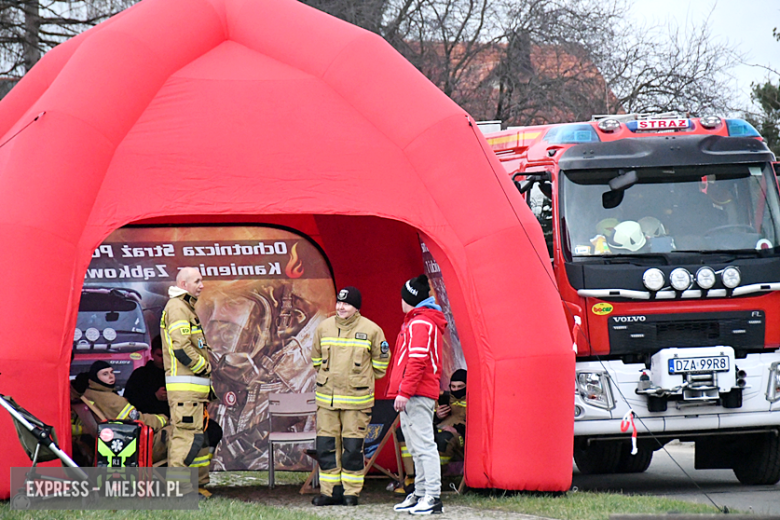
237,111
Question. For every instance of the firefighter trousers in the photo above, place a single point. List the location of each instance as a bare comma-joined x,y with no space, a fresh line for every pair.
340,435
187,444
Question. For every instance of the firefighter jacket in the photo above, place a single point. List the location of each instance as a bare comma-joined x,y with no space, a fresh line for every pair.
115,407
417,366
457,414
185,351
349,355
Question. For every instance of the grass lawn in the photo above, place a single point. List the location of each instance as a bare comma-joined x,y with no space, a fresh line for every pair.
245,496
579,505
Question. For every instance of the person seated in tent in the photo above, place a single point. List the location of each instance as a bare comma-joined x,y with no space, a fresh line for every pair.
101,394
450,420
82,444
145,389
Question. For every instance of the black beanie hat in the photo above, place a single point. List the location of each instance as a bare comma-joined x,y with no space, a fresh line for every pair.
459,375
416,290
351,296
96,367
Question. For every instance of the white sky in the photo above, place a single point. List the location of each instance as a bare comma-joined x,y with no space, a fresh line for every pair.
745,24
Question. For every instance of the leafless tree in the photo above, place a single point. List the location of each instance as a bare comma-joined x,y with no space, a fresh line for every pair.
29,28
534,61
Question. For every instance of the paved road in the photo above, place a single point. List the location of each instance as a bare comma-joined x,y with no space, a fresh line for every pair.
665,478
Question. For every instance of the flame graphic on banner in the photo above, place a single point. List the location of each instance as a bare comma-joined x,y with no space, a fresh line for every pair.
294,267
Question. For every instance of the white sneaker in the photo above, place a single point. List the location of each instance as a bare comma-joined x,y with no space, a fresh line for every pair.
409,502
427,505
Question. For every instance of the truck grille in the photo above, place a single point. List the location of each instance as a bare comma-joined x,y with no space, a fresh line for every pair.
647,334
687,333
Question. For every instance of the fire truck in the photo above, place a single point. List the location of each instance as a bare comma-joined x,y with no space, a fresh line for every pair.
664,236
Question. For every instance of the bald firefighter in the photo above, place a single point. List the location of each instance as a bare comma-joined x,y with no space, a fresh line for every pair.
187,376
349,352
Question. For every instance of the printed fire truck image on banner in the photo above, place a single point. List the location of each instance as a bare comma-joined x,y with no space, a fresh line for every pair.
266,290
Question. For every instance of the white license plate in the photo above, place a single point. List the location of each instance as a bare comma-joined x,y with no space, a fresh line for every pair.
699,364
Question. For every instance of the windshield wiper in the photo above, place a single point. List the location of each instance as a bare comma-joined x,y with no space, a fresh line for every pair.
642,259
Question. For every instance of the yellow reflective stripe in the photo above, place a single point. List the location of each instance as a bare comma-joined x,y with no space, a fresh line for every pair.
322,398
445,460
162,419
125,411
379,364
348,399
349,477
196,330
187,387
345,342
330,477
200,462
199,365
181,324
316,360
459,403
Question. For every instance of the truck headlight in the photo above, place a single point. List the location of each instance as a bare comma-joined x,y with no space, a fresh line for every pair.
92,334
109,334
595,390
653,279
705,277
731,277
77,334
681,279
773,389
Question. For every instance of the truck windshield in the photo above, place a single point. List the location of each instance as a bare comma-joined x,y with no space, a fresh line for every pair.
108,310
692,209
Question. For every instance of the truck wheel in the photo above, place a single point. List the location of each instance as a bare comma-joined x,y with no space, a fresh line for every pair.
634,463
761,465
599,457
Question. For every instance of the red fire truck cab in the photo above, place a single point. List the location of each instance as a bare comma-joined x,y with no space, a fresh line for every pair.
664,234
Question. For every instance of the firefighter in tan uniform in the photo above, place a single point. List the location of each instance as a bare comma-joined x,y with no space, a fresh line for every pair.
450,420
101,394
349,352
187,375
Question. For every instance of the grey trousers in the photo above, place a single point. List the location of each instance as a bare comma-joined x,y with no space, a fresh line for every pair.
417,427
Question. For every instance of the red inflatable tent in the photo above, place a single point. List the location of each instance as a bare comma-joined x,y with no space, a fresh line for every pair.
200,111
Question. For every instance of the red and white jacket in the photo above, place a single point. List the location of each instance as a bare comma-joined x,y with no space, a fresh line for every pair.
417,355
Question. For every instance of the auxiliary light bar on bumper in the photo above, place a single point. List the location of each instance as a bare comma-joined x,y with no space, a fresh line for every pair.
671,295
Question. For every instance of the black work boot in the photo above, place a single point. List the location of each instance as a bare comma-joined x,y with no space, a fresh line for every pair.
350,500
325,500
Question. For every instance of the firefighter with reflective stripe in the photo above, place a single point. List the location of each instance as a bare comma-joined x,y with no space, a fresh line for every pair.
101,394
349,353
186,357
450,420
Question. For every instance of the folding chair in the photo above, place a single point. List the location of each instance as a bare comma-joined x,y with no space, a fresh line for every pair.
288,405
38,440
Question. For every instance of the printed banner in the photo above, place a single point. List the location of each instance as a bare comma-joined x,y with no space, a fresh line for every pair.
266,290
452,352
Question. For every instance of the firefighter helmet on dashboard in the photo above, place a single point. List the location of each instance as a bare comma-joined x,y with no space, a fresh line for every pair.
628,235
652,227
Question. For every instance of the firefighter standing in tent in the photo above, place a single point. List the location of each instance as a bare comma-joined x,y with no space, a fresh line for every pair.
187,377
349,352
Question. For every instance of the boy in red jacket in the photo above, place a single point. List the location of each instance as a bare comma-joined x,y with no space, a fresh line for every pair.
414,383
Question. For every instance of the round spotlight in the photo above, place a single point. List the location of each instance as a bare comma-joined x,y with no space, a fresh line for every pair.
653,279
681,279
92,334
731,277
705,277
710,121
609,125
109,334
77,334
